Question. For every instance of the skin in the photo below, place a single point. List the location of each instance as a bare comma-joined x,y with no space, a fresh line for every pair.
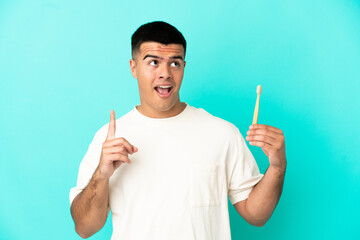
260,205
157,64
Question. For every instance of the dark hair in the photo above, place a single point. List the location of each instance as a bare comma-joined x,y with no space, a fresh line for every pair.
157,31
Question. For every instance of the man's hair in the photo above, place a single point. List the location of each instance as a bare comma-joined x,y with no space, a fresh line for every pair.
157,31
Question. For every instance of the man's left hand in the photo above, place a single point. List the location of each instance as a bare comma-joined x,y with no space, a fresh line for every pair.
272,142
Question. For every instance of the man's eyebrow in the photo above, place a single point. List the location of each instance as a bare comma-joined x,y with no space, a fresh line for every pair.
157,57
177,57
151,56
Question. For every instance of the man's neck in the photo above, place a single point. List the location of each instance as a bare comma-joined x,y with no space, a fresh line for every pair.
153,113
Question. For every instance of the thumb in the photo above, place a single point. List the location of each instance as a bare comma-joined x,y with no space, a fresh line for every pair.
112,126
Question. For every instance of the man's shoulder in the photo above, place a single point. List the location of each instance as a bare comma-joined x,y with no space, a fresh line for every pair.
207,119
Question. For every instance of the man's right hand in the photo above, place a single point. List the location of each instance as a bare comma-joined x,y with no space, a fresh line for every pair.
114,151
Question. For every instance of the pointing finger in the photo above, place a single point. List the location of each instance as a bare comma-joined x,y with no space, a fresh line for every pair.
112,126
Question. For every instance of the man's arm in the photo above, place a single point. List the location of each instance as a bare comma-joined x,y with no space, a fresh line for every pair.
89,209
259,206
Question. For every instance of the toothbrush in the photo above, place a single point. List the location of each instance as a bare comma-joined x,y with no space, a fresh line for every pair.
256,112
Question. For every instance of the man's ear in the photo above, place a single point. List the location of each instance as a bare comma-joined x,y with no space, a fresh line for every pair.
133,68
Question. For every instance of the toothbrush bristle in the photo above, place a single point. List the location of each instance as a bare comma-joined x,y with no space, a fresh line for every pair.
258,89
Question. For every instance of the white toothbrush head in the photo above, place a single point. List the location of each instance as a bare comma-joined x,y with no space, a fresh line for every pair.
258,89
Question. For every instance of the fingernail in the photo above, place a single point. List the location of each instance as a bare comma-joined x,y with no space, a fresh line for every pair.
251,126
247,138
248,132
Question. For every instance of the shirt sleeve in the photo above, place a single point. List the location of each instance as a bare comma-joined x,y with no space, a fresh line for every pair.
88,164
243,172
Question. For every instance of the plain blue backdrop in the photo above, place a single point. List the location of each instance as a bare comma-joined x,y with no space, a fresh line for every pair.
65,64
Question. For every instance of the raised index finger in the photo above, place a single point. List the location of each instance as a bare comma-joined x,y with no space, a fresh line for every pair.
112,126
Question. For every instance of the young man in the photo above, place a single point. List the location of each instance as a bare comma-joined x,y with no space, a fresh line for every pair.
166,169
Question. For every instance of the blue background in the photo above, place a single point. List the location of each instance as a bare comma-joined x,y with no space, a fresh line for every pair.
65,64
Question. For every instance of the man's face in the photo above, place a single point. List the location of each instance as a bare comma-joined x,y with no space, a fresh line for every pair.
159,70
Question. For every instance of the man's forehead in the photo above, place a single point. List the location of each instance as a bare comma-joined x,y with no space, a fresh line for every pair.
159,48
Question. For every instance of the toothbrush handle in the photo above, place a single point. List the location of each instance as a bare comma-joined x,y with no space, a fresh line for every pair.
256,112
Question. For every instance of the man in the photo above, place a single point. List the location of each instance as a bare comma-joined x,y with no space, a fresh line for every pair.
165,169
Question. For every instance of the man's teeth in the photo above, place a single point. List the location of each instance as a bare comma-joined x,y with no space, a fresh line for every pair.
164,86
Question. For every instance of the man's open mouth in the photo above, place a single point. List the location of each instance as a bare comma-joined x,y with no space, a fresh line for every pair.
164,91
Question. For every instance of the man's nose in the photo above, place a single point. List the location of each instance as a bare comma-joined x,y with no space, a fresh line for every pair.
164,72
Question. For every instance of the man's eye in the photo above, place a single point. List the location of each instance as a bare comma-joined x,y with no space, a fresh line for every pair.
175,64
153,62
